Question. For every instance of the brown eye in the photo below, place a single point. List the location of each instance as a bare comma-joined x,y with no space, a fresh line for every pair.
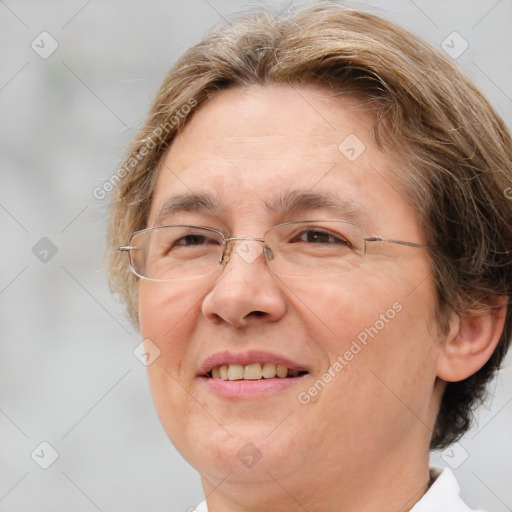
318,236
188,240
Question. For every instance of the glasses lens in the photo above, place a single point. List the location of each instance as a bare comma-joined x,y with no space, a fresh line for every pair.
175,252
315,248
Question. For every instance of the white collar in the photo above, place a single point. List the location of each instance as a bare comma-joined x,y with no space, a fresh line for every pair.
442,496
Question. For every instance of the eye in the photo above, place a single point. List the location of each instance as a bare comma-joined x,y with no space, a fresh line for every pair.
319,236
194,239
190,240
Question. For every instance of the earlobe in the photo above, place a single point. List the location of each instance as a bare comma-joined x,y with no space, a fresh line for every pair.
471,341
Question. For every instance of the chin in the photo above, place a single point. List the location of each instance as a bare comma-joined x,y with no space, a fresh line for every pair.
247,452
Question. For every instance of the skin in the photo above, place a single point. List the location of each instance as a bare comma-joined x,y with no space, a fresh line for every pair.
362,443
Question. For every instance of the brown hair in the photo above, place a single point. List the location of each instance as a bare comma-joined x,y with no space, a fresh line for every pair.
457,149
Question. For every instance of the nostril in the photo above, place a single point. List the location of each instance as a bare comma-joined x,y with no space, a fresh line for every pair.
257,313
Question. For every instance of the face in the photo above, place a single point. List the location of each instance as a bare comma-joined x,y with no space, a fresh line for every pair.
362,342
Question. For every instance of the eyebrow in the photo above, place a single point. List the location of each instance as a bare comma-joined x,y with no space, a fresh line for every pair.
282,205
297,200
186,203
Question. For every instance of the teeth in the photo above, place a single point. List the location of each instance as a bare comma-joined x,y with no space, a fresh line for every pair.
269,370
253,371
281,371
223,372
235,372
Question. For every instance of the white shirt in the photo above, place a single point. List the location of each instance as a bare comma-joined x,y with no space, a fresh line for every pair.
442,496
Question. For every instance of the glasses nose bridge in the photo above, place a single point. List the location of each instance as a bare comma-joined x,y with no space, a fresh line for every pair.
246,254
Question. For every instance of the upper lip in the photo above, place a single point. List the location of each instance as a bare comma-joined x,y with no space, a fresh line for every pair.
248,357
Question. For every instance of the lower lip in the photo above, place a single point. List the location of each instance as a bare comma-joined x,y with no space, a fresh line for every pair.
249,388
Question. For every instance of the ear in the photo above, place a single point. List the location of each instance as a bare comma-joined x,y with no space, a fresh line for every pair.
471,341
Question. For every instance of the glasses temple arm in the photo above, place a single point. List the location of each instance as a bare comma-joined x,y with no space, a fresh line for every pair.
399,242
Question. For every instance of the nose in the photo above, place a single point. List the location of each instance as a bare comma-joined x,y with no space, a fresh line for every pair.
246,292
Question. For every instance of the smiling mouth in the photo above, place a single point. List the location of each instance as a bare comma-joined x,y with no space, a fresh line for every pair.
253,371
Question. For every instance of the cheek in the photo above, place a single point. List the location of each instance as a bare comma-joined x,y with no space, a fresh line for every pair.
382,368
168,316
379,328
358,306
166,309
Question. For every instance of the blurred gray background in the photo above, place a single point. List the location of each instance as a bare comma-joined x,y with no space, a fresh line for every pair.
68,373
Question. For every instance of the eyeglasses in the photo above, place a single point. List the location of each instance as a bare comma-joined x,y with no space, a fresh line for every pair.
312,248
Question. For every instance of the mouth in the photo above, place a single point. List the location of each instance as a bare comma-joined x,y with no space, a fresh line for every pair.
253,371
250,374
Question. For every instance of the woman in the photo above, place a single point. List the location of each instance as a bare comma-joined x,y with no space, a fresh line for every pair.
319,261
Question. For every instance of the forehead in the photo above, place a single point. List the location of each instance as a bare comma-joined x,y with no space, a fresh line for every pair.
246,146
273,124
